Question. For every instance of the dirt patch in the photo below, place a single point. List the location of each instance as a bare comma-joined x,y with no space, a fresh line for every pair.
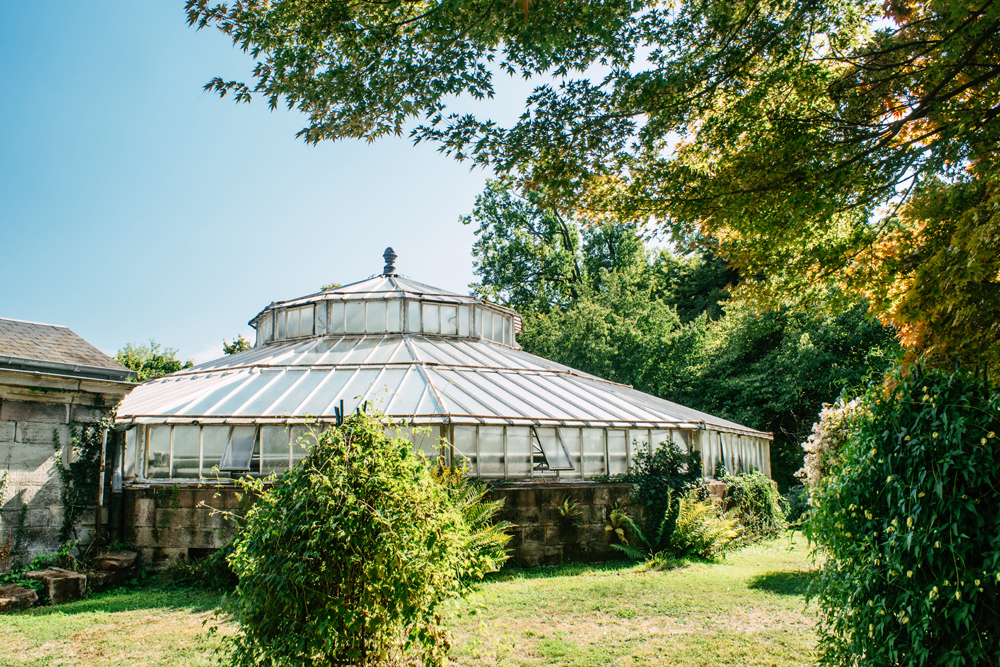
752,621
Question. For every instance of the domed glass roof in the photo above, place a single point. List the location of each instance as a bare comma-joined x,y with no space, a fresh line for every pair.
424,356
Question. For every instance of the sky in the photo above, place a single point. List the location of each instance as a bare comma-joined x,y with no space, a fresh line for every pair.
133,205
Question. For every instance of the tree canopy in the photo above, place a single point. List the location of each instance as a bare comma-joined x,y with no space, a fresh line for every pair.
664,323
827,148
150,361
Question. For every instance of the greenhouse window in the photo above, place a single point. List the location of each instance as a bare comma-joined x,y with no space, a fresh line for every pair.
240,450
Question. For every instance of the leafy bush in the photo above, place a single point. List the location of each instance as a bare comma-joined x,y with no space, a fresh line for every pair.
348,557
658,480
754,500
701,530
829,434
909,526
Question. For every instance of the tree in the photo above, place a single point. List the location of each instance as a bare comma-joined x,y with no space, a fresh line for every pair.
350,557
239,344
663,323
829,149
150,361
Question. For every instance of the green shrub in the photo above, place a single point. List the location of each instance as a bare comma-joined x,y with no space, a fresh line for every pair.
909,526
348,558
701,530
658,481
754,500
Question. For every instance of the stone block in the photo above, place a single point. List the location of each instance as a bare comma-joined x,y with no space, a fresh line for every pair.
31,458
6,432
83,414
105,580
601,496
115,560
143,514
42,434
61,586
31,411
16,598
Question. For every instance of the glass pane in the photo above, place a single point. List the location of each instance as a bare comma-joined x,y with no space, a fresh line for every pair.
292,317
336,324
355,311
376,317
553,448
264,329
449,320
187,451
506,332
465,447
302,439
240,450
463,320
432,324
572,441
617,461
307,326
639,442
413,316
518,451
274,450
321,317
498,327
213,445
659,438
281,326
593,452
486,330
479,321
158,452
128,462
424,439
392,323
491,451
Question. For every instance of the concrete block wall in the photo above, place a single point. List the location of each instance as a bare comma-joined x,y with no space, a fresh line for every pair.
543,536
165,523
30,422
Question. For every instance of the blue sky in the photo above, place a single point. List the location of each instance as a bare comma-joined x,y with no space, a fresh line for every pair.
135,206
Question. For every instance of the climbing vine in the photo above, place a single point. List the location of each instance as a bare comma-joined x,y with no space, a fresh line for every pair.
81,477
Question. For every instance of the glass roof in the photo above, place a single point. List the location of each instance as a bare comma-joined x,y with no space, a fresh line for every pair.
422,379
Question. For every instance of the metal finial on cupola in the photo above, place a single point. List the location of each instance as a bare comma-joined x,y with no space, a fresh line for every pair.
390,262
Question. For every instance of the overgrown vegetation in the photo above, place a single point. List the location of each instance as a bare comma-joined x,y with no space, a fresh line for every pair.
81,476
599,298
754,500
907,520
350,556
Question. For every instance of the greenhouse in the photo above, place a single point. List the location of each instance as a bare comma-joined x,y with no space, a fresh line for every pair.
446,367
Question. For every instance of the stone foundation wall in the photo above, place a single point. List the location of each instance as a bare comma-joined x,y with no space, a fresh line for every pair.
543,536
166,523
29,425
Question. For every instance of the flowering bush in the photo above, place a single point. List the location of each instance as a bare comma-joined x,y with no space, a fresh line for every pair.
909,526
827,439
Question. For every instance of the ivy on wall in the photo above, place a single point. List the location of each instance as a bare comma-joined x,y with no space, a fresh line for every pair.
81,476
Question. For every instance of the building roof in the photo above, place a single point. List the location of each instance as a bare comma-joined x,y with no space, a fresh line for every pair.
55,349
424,379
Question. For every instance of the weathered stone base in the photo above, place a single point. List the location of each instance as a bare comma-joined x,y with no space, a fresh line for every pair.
167,523
61,586
543,536
16,598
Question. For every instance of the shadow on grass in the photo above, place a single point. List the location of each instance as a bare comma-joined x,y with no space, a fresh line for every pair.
136,599
782,583
512,571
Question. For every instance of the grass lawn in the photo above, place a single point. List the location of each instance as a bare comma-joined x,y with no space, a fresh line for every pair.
746,610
